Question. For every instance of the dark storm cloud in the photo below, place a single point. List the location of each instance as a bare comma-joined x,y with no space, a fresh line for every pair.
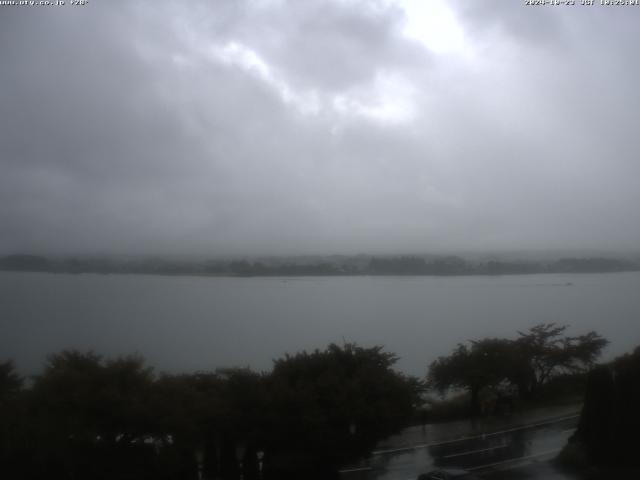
286,127
543,26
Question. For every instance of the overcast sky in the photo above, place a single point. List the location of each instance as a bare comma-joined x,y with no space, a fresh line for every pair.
255,127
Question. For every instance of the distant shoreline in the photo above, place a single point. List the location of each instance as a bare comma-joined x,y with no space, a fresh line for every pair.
398,266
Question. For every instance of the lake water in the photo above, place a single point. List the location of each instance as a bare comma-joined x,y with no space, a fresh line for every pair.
200,323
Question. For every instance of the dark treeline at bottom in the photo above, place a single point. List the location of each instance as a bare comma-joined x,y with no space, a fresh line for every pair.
89,417
85,417
607,434
315,266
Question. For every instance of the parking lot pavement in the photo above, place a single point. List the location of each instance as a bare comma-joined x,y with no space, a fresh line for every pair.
533,471
514,447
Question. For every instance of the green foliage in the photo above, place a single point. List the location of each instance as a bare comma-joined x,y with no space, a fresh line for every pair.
11,415
610,421
90,417
485,363
527,363
340,400
87,397
10,382
544,352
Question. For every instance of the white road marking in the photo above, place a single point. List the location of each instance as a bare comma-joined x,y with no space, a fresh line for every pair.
358,469
469,452
448,442
502,465
516,461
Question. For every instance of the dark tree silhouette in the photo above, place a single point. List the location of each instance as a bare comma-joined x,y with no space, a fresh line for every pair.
482,364
330,405
527,363
610,420
10,382
91,418
543,352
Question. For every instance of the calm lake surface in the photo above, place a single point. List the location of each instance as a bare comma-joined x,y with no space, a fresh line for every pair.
200,323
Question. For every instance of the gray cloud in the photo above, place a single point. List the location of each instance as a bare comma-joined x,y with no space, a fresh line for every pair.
289,127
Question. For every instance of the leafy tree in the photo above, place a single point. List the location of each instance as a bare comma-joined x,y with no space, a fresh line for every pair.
610,420
188,413
91,415
10,382
484,363
544,351
329,405
11,414
528,362
92,398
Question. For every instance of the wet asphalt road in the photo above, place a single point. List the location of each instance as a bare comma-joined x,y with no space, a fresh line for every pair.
499,448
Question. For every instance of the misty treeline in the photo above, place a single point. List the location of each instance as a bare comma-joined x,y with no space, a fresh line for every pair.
86,416
315,266
500,369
